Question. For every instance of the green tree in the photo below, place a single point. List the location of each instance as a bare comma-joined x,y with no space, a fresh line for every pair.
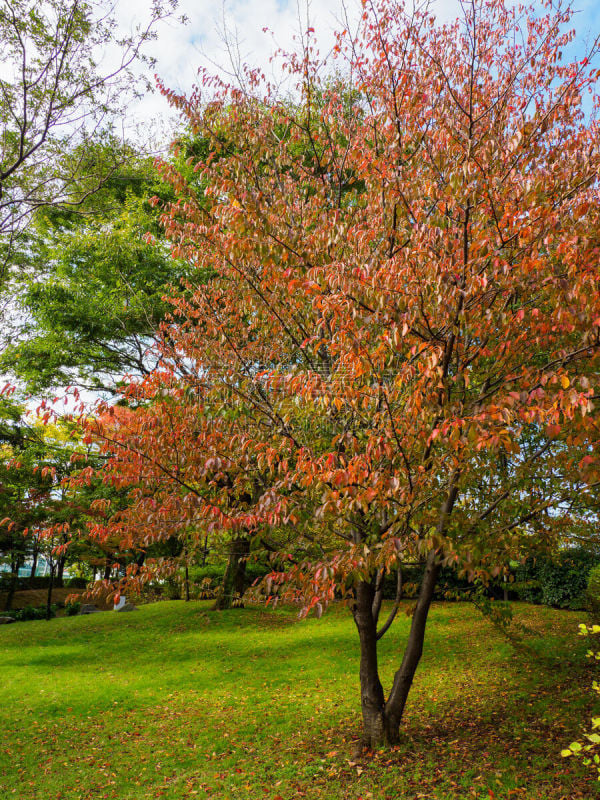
53,94
92,295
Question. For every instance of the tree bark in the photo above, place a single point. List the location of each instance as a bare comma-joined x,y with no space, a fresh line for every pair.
34,556
59,572
234,580
372,699
15,564
12,587
381,718
49,596
403,678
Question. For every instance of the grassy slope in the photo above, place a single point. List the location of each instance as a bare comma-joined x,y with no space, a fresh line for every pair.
173,702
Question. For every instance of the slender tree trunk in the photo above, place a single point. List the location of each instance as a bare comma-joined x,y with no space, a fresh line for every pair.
59,572
12,586
187,583
34,561
234,580
107,569
49,597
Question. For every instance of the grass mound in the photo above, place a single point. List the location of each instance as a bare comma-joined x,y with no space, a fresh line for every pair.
176,701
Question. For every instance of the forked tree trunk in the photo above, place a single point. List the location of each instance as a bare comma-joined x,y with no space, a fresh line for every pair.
234,580
381,718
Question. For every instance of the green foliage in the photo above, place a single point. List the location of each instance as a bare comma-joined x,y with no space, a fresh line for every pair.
172,589
255,570
592,592
588,751
56,102
72,609
31,613
76,583
560,582
92,296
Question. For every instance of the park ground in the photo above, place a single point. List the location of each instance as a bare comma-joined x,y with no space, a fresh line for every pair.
176,701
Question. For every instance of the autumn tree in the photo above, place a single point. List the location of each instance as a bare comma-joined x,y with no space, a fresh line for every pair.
396,358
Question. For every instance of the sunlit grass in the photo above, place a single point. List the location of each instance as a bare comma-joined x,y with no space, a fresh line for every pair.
175,701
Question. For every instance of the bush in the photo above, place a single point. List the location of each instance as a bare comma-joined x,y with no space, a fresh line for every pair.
172,589
71,609
30,613
560,581
592,592
76,583
215,572
449,586
37,582
588,751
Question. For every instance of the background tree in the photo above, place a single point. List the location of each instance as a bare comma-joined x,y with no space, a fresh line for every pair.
91,296
25,492
395,359
56,93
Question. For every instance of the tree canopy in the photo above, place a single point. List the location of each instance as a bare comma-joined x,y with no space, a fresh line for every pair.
56,94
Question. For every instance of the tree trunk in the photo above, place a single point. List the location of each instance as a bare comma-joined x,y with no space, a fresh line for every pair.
234,580
34,561
12,586
187,584
394,708
381,718
49,597
59,572
371,691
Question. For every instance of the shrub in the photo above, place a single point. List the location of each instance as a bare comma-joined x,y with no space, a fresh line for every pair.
172,589
560,581
30,613
71,609
213,571
588,751
592,593
76,583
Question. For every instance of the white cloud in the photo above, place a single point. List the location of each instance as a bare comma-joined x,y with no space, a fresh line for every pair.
181,49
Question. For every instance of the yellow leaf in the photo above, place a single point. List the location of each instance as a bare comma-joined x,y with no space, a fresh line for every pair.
565,382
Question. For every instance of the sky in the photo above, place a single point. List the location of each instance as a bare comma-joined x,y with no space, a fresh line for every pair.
181,49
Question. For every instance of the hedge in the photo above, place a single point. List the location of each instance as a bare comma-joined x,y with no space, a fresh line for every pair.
560,582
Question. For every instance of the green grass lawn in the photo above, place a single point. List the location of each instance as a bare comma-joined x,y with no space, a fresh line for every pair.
171,701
